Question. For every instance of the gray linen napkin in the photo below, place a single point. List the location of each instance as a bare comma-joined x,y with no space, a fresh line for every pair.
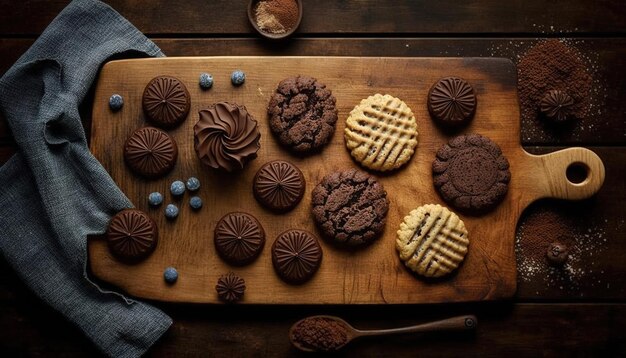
53,192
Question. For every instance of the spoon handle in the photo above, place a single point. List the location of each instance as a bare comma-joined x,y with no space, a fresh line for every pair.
454,323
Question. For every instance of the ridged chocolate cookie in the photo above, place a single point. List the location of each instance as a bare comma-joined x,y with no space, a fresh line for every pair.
350,207
471,173
302,114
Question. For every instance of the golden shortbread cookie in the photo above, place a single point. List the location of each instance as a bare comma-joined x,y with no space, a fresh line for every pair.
381,132
432,240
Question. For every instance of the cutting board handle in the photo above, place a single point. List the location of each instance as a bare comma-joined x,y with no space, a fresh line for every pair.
550,179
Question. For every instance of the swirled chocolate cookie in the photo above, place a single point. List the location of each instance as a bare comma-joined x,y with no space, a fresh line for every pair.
150,152
381,133
132,235
471,173
226,136
452,102
350,207
239,238
302,114
279,185
296,256
230,287
432,241
166,101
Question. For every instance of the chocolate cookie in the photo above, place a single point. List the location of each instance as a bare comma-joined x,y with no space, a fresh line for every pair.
278,185
350,207
556,105
302,114
166,101
296,256
226,136
150,152
230,287
132,235
452,102
239,238
471,173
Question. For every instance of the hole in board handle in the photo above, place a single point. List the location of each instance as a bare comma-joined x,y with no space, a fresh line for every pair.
577,173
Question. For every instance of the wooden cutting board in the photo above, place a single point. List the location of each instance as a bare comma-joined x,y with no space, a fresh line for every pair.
372,275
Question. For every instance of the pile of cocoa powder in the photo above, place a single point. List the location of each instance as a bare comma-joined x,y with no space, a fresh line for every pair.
321,334
553,65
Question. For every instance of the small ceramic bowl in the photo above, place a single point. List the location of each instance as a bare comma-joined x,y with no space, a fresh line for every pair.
252,19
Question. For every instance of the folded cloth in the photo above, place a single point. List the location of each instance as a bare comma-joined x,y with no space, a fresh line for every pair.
53,191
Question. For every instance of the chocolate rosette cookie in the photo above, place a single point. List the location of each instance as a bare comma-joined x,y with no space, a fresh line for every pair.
226,136
239,238
302,114
230,287
350,207
471,173
166,101
296,256
452,102
556,105
150,152
279,185
132,235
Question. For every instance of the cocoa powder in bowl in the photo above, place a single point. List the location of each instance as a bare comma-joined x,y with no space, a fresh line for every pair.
320,333
276,16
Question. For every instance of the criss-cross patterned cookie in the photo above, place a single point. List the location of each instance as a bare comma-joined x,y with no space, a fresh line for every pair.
432,241
381,133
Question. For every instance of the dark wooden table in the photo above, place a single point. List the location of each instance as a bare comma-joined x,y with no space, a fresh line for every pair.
584,315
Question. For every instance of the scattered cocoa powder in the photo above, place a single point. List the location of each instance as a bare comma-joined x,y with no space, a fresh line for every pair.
553,65
320,333
276,16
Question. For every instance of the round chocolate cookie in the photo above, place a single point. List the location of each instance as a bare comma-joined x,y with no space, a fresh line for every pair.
296,256
132,235
150,152
302,114
350,207
278,185
239,238
452,102
226,136
166,101
471,173
230,287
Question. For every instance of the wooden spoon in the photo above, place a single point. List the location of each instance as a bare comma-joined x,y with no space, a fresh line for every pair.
455,323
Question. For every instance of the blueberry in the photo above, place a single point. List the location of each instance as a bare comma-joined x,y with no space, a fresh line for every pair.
238,77
155,199
193,184
206,81
195,202
177,188
171,211
116,102
170,275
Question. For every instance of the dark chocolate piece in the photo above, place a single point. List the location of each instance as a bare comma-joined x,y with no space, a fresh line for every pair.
452,102
230,287
239,238
296,255
278,185
150,152
556,105
350,207
302,114
557,253
471,173
132,235
226,136
166,101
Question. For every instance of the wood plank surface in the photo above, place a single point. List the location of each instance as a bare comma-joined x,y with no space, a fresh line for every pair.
372,275
606,56
344,16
